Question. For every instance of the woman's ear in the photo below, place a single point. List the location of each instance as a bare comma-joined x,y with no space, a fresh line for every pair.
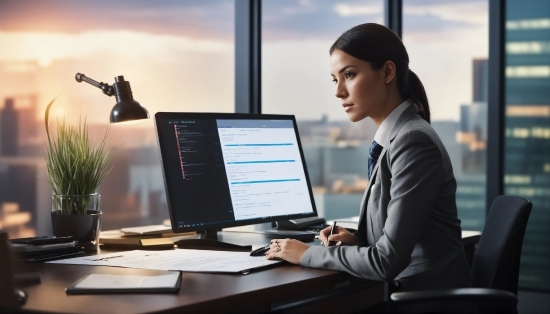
389,71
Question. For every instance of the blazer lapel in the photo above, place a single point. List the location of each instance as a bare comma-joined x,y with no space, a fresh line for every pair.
403,118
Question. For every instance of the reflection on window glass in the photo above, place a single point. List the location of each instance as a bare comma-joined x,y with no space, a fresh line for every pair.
447,43
174,53
527,130
296,80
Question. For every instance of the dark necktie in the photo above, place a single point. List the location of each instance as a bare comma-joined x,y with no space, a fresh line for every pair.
374,153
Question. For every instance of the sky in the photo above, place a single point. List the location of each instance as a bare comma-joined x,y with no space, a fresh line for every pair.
441,36
179,55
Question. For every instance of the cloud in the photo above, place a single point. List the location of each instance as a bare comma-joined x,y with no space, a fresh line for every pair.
422,19
445,22
324,20
212,19
45,47
345,10
462,13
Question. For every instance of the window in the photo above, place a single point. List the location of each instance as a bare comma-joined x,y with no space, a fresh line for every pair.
447,43
174,53
296,37
527,129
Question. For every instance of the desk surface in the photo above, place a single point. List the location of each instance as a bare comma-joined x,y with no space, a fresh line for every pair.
200,292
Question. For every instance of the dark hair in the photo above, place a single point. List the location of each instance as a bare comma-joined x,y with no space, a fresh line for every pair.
377,44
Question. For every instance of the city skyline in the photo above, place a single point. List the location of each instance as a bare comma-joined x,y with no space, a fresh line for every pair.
175,67
190,62
133,192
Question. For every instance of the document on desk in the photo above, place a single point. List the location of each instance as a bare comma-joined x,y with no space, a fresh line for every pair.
179,259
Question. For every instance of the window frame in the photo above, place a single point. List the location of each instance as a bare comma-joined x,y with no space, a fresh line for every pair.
248,85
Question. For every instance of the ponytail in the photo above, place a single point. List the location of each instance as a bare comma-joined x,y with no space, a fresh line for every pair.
377,44
414,90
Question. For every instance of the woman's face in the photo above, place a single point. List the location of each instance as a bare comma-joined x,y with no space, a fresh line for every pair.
361,89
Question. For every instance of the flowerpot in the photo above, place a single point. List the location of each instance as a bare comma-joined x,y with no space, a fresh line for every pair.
78,216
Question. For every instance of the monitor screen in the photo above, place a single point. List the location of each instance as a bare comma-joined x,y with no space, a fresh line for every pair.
225,170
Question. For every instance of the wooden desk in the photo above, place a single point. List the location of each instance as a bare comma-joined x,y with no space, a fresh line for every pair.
470,239
258,291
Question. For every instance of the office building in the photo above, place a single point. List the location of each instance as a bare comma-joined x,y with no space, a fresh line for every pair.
480,80
527,130
9,129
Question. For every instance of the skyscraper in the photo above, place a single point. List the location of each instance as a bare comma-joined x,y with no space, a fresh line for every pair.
527,130
480,80
9,129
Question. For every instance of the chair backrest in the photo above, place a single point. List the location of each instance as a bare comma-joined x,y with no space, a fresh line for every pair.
496,260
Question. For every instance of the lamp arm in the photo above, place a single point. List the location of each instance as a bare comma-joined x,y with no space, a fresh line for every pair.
106,88
126,108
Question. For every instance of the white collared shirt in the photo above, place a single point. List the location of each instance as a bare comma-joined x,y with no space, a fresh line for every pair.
383,132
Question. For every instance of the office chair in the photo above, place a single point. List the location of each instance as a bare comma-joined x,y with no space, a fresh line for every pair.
495,268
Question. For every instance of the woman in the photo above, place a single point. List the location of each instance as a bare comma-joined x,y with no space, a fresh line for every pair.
409,233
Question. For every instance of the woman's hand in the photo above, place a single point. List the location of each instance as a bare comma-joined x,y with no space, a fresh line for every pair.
287,249
339,235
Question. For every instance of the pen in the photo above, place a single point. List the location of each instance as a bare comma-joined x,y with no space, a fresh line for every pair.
332,243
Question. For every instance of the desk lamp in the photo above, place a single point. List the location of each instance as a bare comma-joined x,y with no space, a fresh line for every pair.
126,108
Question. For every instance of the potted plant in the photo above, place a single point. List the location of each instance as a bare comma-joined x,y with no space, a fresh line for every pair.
74,169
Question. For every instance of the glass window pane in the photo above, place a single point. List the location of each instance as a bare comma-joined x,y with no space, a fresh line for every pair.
174,54
527,129
447,43
296,37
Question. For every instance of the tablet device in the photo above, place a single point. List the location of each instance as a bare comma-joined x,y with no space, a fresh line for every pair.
108,283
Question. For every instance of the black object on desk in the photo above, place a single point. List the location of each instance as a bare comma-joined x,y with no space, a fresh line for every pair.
44,248
261,251
42,240
10,298
300,223
49,254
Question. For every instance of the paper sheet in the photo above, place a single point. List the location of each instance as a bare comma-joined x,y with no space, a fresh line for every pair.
179,259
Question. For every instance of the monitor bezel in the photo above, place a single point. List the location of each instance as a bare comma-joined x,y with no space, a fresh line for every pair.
172,208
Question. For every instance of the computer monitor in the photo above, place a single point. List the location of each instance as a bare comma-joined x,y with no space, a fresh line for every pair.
225,170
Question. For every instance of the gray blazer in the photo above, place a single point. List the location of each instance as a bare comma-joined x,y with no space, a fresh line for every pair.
409,232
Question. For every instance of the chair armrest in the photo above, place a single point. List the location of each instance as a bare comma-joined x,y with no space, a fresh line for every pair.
461,294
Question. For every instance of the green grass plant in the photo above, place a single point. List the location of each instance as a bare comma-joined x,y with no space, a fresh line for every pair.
74,165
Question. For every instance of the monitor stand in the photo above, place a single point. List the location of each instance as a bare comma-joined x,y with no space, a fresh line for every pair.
209,241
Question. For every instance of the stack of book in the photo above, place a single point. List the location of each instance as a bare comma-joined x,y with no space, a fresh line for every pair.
44,248
147,237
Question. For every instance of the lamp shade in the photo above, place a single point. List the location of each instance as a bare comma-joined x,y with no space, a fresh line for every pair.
126,108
